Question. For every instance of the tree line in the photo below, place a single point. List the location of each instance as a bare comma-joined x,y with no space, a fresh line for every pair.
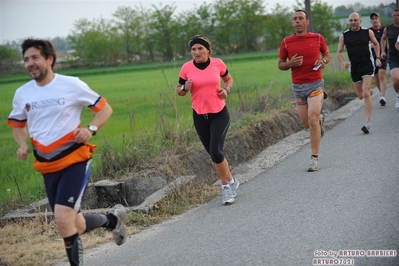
159,34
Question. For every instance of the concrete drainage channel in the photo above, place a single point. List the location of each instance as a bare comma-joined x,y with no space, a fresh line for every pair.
141,194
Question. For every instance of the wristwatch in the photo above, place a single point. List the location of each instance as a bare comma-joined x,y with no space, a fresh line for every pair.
93,129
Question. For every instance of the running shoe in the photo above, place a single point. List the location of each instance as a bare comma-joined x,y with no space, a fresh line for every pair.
119,232
234,187
366,128
321,121
227,195
314,164
382,101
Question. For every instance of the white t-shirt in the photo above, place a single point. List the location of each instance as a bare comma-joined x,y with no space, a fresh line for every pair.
52,112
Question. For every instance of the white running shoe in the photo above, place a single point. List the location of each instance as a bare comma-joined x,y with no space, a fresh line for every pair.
314,164
119,232
227,195
234,187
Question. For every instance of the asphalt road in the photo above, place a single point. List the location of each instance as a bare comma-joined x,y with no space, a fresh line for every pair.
287,216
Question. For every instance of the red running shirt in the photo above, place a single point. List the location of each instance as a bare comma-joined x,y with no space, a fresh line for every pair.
309,46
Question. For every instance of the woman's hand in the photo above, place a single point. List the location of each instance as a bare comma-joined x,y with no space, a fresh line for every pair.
222,93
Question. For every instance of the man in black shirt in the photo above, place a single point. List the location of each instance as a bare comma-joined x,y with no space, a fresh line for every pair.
361,63
390,35
380,72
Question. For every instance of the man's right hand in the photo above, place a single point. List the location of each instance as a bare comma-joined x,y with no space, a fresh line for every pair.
22,153
296,60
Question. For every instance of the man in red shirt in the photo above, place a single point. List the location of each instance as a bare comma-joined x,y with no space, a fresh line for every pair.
301,52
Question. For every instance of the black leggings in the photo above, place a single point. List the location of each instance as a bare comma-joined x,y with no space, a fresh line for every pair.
212,130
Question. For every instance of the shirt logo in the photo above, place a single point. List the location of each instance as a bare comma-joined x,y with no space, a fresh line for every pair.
45,103
27,107
71,200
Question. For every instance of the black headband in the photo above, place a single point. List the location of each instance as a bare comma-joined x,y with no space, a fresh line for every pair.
200,41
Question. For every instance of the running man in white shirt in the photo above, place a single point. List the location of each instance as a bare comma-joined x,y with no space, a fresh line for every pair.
50,106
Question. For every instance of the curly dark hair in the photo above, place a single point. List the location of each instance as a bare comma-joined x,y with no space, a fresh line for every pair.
46,48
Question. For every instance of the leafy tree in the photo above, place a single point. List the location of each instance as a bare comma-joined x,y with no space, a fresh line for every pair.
197,21
342,11
60,43
165,28
324,21
10,60
239,25
95,42
226,26
128,23
250,25
278,26
149,44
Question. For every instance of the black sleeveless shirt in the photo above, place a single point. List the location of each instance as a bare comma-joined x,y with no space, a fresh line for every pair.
378,35
392,36
358,47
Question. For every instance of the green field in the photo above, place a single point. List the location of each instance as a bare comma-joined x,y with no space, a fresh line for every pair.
148,115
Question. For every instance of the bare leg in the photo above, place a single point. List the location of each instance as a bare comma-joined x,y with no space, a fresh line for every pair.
381,81
395,79
309,115
223,171
315,105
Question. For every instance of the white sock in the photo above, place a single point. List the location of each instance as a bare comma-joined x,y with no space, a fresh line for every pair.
225,186
231,182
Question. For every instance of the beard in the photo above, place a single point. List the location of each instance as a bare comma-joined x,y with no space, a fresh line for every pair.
40,76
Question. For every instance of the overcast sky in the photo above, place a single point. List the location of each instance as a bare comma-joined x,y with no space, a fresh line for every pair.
51,18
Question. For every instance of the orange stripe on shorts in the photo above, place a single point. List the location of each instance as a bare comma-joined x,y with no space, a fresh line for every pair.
315,93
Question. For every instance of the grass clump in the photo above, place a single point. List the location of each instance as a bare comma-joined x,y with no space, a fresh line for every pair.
39,242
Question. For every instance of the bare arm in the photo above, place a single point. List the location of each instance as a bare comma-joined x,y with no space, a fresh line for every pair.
186,86
283,65
325,58
21,137
340,49
228,81
383,43
228,84
295,61
100,118
377,50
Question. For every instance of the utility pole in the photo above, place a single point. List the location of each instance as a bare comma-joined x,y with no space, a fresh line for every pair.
309,12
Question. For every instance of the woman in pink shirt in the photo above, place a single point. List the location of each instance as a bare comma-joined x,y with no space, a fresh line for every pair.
201,77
